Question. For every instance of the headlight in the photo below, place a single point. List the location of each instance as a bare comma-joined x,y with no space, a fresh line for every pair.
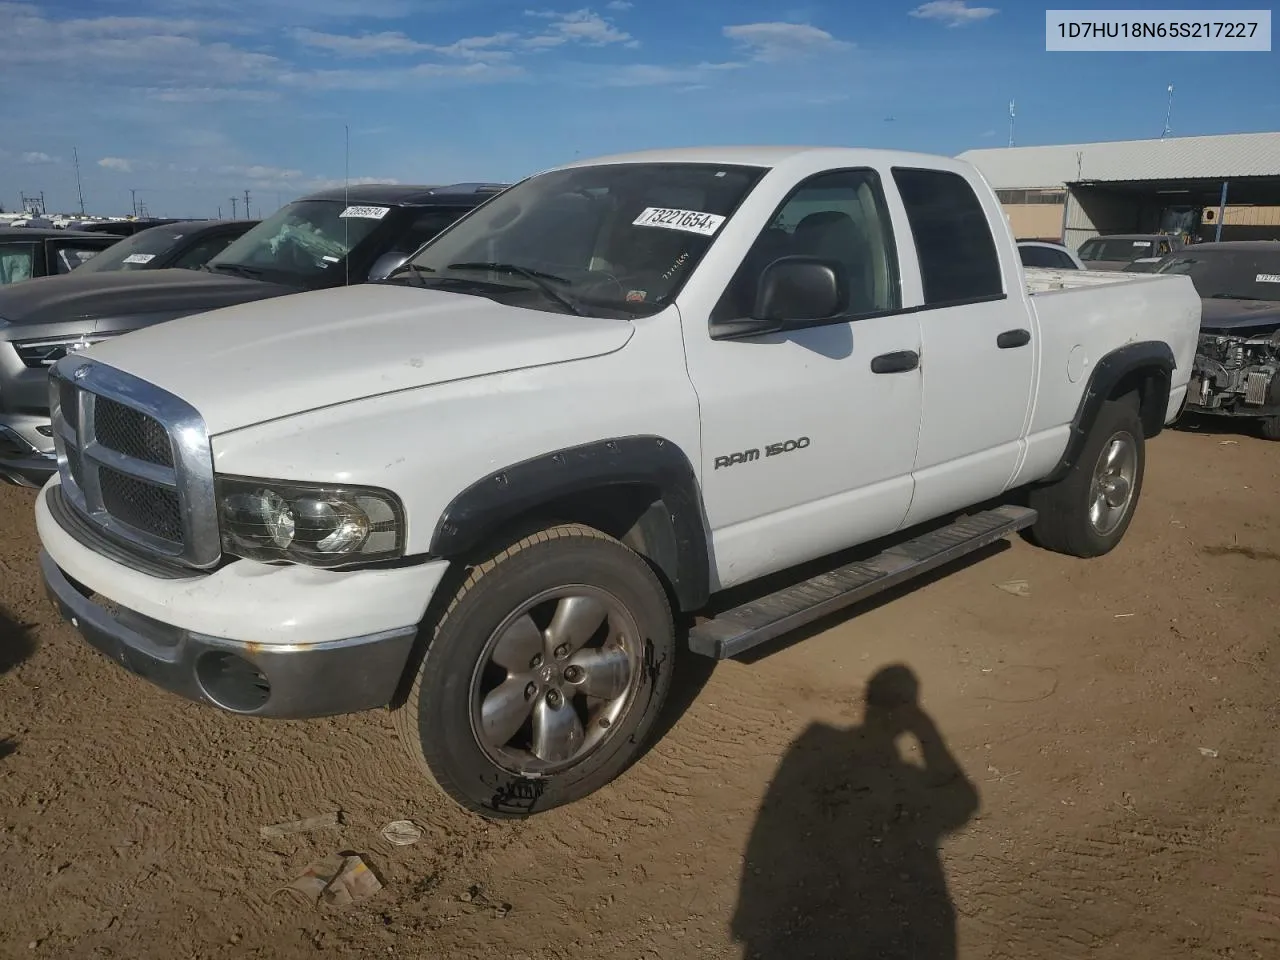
308,523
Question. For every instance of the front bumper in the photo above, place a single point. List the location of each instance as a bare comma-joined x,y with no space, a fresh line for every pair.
313,680
318,642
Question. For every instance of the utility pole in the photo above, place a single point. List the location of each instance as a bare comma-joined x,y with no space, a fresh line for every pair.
75,153
219,211
133,196
1168,114
247,215
233,208
1011,116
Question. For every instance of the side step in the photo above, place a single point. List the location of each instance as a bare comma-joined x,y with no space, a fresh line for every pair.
738,630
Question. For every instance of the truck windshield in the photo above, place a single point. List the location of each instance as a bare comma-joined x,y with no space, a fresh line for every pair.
136,252
607,239
303,242
1230,274
1117,248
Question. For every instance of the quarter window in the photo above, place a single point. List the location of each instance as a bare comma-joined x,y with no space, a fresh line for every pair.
958,260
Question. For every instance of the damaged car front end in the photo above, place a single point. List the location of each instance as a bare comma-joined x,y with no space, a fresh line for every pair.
1237,364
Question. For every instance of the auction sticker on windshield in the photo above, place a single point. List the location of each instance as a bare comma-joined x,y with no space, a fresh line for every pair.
365,213
690,221
1267,278
139,258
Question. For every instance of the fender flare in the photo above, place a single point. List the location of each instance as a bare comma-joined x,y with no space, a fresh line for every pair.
1149,357
676,534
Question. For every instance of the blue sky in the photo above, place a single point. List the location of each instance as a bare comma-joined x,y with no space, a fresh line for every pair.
190,101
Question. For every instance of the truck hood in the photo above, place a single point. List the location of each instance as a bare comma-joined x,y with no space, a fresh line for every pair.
1238,315
128,293
248,364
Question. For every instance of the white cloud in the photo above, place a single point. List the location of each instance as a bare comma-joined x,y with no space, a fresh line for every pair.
475,72
773,42
208,95
619,5
493,47
656,75
365,45
35,156
954,13
581,26
118,164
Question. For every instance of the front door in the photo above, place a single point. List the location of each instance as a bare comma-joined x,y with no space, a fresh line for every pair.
805,449
978,361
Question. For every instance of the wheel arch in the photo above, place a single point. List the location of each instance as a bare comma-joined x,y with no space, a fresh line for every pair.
1143,370
640,489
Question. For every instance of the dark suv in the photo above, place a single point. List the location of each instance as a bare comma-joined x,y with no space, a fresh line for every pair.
327,239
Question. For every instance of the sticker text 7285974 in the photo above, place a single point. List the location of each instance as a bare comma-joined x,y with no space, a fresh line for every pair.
690,221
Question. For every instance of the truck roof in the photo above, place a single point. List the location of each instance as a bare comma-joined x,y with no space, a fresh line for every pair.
774,156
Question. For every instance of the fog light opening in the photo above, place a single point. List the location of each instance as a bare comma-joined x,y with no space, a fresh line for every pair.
232,682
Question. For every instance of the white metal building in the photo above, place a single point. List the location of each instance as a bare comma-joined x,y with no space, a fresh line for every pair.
1220,186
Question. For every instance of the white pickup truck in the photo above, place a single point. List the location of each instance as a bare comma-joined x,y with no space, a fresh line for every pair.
493,491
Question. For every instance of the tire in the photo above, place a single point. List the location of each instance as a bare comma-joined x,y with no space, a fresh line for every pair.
1270,428
1065,524
465,750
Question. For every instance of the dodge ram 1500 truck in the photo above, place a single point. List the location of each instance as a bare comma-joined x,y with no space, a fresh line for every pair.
493,490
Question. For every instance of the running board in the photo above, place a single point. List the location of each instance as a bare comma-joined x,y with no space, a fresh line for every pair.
741,628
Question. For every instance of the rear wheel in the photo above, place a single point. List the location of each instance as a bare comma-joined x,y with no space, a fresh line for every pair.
1086,513
1270,428
544,675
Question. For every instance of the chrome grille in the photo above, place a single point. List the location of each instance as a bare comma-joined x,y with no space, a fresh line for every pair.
135,460
131,432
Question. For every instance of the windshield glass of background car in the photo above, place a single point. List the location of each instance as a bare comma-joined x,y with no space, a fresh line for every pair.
306,238
1115,249
134,253
612,238
1230,274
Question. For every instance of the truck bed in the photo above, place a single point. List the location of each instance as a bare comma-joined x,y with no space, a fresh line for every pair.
1048,280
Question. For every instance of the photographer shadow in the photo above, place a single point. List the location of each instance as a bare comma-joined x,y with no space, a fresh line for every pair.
843,860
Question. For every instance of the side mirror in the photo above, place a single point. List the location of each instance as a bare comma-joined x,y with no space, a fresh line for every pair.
797,289
387,264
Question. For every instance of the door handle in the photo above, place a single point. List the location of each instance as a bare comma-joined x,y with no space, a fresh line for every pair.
900,361
1013,338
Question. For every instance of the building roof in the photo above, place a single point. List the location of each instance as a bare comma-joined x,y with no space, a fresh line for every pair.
1174,158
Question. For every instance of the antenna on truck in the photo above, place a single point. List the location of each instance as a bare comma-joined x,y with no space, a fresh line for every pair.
346,198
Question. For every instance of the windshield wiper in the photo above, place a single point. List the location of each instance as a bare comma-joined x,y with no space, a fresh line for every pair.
537,277
251,273
1233,296
412,271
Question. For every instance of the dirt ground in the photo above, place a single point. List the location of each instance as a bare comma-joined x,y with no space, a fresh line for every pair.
1115,732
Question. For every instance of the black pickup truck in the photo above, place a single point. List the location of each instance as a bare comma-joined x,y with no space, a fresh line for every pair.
326,239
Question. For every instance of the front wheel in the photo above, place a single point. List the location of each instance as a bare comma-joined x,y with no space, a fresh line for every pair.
1086,513
1270,428
544,675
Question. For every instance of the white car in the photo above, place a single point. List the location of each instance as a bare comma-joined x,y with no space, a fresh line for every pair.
1053,256
485,490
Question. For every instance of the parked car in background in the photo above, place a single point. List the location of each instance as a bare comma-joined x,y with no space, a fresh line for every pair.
478,490
184,244
1114,251
327,239
1038,253
1237,365
124,228
30,252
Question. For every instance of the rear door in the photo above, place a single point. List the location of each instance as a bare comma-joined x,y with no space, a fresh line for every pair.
978,357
